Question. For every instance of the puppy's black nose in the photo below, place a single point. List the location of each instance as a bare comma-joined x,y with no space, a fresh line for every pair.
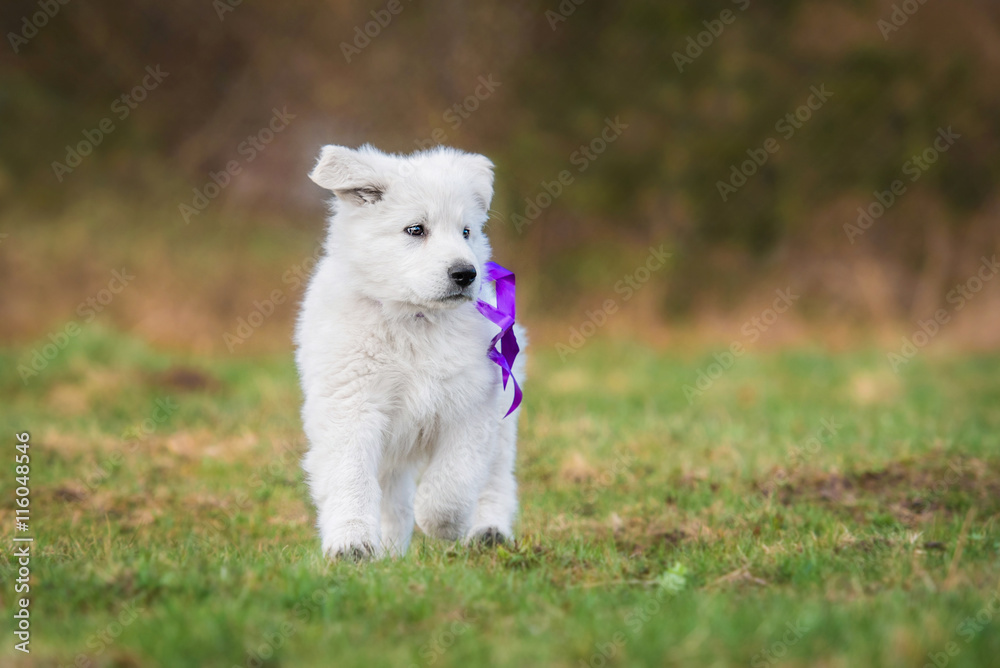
462,274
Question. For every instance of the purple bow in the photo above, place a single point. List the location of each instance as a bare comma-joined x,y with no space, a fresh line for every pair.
503,315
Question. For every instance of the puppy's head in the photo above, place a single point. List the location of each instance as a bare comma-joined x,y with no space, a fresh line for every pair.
409,228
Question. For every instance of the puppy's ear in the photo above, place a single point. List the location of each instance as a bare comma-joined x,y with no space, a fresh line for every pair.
348,174
481,169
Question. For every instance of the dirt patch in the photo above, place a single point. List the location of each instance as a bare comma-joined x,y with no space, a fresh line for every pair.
910,491
185,379
670,538
70,493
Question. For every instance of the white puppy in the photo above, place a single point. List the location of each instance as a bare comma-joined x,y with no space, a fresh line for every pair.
403,409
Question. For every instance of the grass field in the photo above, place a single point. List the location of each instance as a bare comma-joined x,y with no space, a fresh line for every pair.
810,509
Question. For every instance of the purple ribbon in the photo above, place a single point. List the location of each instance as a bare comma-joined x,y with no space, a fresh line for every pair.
503,315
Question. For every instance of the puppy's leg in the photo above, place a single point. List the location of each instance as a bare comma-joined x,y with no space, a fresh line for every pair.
497,507
342,466
452,481
398,490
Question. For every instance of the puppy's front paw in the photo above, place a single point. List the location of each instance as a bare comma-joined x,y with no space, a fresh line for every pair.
488,537
354,541
356,553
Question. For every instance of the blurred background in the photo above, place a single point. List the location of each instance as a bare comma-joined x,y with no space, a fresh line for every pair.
171,142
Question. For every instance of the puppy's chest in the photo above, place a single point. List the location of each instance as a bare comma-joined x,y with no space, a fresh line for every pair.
434,375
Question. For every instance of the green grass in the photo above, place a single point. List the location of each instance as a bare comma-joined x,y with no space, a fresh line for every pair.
654,531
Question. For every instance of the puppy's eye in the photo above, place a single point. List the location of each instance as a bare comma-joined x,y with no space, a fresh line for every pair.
415,230
465,233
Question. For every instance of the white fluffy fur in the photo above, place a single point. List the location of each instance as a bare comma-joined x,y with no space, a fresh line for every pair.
403,409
